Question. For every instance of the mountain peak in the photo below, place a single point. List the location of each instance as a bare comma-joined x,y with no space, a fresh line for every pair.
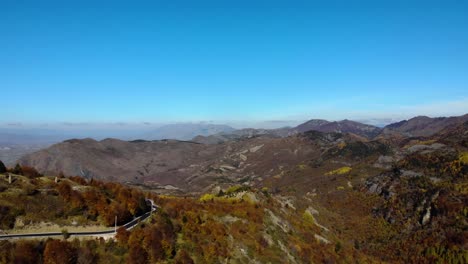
343,126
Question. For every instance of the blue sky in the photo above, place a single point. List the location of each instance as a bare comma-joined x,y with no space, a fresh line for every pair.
231,61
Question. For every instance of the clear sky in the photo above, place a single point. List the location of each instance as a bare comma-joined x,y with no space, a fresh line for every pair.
253,61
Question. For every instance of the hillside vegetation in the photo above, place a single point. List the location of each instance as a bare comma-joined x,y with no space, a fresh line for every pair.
309,198
33,199
243,225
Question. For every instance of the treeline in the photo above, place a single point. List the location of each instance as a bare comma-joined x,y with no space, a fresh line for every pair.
36,199
149,243
27,171
103,201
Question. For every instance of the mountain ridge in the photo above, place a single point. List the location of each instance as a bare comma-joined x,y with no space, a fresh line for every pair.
182,163
423,125
392,198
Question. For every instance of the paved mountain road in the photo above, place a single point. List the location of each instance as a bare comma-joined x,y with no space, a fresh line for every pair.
128,226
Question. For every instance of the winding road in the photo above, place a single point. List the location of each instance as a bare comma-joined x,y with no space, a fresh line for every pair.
127,226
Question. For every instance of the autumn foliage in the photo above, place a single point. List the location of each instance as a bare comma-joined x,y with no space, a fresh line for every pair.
103,201
59,252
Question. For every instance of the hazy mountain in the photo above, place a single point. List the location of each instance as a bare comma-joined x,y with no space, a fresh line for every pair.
313,124
344,126
186,131
423,125
243,134
187,165
118,160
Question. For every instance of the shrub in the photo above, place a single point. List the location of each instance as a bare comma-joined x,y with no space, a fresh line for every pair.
59,252
65,234
30,172
17,170
207,197
26,252
340,171
3,169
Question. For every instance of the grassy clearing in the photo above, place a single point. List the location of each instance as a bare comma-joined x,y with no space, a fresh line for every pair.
44,227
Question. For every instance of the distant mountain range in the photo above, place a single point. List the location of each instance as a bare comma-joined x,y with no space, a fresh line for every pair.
423,125
199,162
186,131
15,144
243,133
344,126
417,126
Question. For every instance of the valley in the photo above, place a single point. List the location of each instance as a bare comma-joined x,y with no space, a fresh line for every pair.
300,197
